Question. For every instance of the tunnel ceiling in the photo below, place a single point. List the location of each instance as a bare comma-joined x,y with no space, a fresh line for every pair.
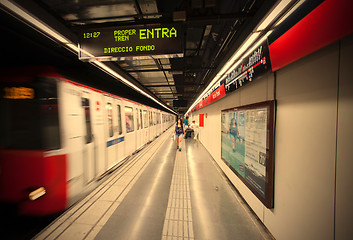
212,29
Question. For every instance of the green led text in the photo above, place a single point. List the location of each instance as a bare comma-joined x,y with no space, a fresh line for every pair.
158,33
123,35
145,48
91,35
118,49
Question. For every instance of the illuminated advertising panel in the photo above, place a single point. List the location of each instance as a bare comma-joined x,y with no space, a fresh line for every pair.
247,146
128,41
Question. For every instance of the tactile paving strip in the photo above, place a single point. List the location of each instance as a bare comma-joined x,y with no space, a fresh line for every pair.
178,221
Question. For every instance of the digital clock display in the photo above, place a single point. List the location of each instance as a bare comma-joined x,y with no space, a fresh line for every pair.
131,41
91,34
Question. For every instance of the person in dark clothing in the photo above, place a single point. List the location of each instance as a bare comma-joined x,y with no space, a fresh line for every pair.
179,133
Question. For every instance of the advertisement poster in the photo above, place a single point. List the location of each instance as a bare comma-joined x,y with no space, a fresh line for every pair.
247,147
233,139
255,148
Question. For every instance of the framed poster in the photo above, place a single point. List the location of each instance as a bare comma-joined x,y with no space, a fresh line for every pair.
248,146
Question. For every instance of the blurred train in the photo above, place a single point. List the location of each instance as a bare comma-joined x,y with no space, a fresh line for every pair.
58,136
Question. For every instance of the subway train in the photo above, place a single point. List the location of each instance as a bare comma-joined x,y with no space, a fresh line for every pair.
58,136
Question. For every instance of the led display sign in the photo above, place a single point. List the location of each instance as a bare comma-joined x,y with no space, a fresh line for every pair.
131,41
18,93
252,66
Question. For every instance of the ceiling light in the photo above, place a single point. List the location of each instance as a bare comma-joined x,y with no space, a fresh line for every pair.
252,40
281,5
114,74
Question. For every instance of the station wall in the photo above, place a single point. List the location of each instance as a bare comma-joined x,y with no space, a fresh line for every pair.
313,163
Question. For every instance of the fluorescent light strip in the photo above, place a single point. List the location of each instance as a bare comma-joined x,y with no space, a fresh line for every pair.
227,68
29,18
116,75
295,7
248,52
73,47
53,34
274,14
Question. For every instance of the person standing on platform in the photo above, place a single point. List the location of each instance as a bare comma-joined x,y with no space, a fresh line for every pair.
195,128
179,133
186,122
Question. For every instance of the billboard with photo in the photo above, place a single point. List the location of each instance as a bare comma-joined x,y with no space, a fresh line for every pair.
247,146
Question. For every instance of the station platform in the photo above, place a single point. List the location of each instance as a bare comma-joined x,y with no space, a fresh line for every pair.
161,193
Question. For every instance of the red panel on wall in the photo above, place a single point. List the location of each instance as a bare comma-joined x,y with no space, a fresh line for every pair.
329,22
201,120
218,94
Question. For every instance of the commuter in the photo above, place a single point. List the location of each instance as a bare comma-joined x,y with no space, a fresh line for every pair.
233,132
195,129
186,122
179,132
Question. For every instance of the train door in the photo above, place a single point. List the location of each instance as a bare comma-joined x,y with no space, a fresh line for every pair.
110,136
98,115
120,142
73,126
153,125
149,125
149,130
138,129
141,127
145,126
130,130
89,163
159,124
162,122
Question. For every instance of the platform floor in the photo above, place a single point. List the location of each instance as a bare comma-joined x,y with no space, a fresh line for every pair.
161,193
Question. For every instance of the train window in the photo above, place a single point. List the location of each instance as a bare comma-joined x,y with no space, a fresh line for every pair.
141,118
120,128
137,119
110,119
30,121
129,119
48,101
145,119
87,109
